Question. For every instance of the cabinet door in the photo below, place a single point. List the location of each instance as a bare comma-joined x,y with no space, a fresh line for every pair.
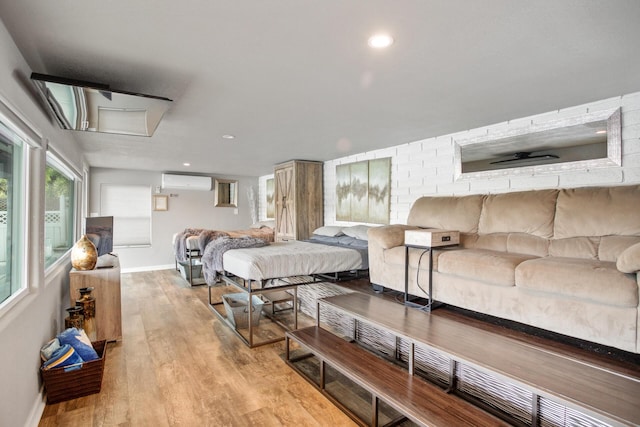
285,204
106,290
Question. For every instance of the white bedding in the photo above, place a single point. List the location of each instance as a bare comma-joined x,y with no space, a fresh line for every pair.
191,242
286,259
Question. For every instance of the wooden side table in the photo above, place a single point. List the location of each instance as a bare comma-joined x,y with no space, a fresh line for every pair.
105,281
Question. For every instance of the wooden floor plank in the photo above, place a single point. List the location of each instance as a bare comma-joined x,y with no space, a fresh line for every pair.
218,380
179,365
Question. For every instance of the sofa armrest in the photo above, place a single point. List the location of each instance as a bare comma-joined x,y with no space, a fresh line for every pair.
629,260
389,236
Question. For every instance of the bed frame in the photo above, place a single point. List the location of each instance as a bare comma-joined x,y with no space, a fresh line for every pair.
266,287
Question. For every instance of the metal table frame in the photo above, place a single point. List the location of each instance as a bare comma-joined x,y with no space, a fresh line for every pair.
430,302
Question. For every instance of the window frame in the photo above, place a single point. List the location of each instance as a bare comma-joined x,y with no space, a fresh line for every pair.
31,142
56,161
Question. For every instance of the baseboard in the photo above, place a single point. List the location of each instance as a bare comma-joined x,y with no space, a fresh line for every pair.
37,410
148,268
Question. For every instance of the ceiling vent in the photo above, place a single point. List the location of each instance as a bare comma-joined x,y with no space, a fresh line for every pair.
186,182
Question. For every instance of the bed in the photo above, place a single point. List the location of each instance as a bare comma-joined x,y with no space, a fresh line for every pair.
297,258
283,266
190,244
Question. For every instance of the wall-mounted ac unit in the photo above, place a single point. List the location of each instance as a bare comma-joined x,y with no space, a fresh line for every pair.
186,182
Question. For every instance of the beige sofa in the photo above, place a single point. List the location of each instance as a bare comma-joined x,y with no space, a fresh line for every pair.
562,260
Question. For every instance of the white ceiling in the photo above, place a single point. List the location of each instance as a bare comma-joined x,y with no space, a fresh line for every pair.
296,79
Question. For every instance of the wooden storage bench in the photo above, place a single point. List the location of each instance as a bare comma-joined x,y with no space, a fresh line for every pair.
411,396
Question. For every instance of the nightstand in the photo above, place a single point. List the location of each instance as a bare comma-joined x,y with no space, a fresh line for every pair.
427,240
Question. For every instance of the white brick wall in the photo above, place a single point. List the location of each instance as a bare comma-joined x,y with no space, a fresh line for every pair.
426,167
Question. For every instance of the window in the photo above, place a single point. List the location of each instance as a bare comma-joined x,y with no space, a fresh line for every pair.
59,210
130,206
12,212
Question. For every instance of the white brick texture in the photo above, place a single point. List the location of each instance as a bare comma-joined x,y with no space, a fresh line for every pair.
426,167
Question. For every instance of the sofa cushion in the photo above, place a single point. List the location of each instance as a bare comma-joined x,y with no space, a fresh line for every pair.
519,243
492,267
611,247
575,247
492,242
598,211
447,213
629,260
522,243
592,280
528,212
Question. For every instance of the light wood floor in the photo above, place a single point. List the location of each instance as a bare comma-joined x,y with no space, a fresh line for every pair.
178,365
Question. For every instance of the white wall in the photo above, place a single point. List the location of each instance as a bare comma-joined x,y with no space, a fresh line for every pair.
36,318
187,208
426,167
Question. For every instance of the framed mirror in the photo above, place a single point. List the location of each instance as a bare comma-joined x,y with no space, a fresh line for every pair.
226,193
577,143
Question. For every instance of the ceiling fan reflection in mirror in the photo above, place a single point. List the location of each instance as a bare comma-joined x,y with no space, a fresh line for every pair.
525,156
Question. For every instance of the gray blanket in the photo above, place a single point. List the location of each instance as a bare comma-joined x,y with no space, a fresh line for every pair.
208,236
212,257
180,244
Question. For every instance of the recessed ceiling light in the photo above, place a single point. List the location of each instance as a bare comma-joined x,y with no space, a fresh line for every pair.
601,132
227,136
380,41
186,164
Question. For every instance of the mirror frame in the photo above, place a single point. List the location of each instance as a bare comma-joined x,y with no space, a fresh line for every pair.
614,146
233,193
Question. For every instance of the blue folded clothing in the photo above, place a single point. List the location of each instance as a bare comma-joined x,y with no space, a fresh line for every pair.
48,349
64,357
78,339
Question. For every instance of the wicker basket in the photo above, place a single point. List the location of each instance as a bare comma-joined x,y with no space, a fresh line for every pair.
236,306
61,385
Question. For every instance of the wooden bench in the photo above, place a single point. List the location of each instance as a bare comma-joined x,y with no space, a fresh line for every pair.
413,397
602,394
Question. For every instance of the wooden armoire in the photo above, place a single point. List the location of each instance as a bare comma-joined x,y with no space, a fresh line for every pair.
298,198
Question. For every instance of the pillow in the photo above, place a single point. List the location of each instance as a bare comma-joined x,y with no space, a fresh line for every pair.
78,339
357,231
64,357
270,223
329,230
629,260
